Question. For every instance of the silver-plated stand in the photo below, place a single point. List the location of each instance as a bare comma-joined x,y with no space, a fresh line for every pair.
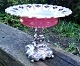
38,49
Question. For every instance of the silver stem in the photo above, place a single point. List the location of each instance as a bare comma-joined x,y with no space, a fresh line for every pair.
38,37
39,49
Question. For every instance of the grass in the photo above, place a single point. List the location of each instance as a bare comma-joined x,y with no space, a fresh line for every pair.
66,29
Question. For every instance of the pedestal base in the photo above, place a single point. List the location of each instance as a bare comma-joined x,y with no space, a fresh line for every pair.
41,51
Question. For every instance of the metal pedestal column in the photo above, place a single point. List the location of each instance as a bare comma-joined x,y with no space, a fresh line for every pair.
38,49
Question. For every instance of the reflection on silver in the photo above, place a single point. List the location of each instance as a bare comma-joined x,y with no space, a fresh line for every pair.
41,51
38,49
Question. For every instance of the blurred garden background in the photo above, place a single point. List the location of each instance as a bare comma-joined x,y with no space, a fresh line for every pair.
65,35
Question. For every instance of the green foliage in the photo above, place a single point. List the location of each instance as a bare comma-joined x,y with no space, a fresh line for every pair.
6,3
67,29
57,45
64,29
74,5
12,21
71,47
1,64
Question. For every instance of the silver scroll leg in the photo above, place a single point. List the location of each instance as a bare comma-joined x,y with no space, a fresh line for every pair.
38,49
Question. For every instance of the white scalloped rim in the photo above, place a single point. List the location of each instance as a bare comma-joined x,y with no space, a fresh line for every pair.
38,11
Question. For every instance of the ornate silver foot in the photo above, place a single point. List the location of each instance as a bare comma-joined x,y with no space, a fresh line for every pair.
41,51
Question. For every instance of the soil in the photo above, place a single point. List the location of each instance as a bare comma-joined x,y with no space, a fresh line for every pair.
64,42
